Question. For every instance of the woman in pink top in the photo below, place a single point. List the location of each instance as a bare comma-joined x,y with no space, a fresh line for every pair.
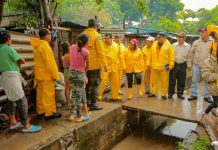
79,64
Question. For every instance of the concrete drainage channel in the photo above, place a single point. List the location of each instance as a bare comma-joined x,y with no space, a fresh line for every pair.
162,133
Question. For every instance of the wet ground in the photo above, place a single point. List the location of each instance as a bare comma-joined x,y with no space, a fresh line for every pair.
175,108
52,130
172,130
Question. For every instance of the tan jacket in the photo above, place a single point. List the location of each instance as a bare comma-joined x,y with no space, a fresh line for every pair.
199,53
210,74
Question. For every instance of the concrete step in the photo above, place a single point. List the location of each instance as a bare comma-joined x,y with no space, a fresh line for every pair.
106,128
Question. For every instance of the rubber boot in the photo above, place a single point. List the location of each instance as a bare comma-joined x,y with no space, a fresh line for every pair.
100,97
129,93
139,90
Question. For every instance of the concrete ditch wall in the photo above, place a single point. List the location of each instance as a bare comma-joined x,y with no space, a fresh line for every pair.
100,134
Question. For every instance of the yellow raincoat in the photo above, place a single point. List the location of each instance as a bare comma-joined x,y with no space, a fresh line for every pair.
121,63
213,47
147,70
159,59
111,53
95,47
134,61
45,72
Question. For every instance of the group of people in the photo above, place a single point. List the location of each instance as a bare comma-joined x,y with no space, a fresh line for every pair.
92,62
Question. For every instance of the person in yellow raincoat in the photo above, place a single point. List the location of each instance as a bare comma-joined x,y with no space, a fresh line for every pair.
46,73
147,68
134,61
112,55
213,31
121,63
162,60
97,60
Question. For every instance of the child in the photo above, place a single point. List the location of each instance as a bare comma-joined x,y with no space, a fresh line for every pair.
79,64
66,65
84,101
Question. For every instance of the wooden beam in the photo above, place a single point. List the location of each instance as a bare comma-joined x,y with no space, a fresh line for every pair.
1,10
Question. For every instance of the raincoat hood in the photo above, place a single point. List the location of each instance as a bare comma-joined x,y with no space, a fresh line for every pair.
35,42
213,28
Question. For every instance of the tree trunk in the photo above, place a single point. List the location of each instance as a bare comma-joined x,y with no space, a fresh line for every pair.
1,10
47,14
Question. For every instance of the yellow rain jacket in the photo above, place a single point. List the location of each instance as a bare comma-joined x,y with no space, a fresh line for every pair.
45,71
121,54
134,61
214,45
146,51
97,54
111,53
45,67
161,57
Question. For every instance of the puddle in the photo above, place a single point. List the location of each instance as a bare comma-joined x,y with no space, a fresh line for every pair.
178,128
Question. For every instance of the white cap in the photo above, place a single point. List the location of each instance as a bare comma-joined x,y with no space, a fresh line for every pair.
150,38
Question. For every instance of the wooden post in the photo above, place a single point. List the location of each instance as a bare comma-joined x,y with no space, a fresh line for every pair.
1,10
47,14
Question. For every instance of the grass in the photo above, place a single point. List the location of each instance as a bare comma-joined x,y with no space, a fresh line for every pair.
202,143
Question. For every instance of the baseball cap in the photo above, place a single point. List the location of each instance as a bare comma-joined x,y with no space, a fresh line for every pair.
202,29
181,34
134,41
150,38
161,34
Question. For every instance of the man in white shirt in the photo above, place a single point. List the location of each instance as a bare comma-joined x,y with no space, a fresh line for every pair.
178,73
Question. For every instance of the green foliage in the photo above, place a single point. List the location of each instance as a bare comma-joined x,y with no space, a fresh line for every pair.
202,143
130,10
163,8
27,12
80,11
201,18
166,24
154,14
180,145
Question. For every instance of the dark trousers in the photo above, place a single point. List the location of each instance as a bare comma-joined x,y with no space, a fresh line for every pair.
92,87
22,106
212,105
138,78
177,74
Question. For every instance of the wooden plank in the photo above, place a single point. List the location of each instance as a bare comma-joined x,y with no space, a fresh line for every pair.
62,28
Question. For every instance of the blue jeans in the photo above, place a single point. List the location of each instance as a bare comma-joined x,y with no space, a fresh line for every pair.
196,77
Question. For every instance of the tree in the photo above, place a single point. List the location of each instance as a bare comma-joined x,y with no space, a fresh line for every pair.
107,11
29,11
130,10
166,24
201,18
